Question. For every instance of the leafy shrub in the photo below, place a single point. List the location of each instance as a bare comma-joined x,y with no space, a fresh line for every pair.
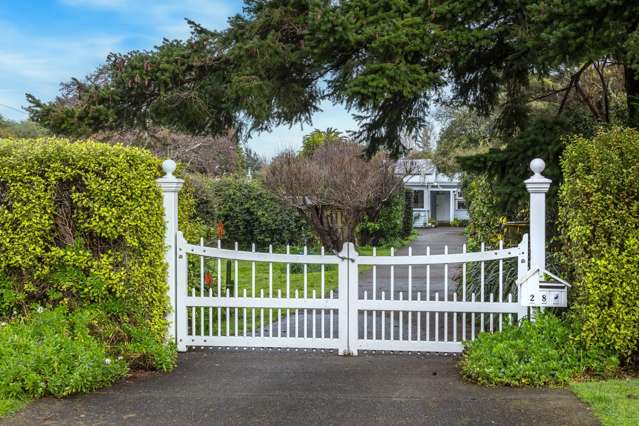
600,241
484,216
407,219
249,212
540,353
81,224
388,226
54,353
459,222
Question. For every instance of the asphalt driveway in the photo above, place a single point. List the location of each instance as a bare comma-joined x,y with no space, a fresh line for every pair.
310,388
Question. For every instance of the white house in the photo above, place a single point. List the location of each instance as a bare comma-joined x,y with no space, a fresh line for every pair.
435,195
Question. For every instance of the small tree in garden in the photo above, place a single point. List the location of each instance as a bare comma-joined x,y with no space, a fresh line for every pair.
335,177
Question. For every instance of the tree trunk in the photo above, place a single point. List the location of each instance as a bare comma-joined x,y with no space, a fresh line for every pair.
632,96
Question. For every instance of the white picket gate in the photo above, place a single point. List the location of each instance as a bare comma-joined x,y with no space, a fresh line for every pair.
414,302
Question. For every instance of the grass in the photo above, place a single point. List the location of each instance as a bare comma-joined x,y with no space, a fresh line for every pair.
614,402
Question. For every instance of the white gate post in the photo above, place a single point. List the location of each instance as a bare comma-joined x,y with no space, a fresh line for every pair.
348,285
537,186
170,186
353,297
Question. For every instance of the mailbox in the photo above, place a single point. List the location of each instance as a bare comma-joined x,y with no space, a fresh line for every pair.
535,290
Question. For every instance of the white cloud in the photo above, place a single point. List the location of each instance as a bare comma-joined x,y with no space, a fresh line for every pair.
37,64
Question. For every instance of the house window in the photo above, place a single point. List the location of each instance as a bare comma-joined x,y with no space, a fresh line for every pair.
418,199
461,204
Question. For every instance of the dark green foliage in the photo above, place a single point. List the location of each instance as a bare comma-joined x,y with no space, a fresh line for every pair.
599,223
407,215
388,226
54,353
535,354
249,212
507,167
386,61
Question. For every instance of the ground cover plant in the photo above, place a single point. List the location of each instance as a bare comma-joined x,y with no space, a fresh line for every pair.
544,352
614,402
53,352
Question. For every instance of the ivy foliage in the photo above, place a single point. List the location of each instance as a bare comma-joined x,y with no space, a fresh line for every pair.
599,224
81,224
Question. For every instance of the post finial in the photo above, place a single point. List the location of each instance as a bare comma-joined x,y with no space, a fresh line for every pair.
169,167
537,166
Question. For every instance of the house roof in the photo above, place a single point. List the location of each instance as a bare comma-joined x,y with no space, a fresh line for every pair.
415,167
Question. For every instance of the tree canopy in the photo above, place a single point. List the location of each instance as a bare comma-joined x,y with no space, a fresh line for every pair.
386,61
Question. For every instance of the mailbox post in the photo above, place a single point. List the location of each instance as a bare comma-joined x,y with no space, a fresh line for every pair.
535,290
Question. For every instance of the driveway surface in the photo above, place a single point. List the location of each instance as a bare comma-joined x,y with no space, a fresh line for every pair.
310,387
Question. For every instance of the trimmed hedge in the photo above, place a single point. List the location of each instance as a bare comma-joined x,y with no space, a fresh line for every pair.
599,225
250,213
81,224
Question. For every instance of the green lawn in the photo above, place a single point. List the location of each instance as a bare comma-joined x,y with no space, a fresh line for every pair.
614,402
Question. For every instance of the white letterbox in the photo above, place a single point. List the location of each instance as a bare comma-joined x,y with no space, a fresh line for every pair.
535,290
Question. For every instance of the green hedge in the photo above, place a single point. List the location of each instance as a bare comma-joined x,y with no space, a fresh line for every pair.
81,224
599,225
249,212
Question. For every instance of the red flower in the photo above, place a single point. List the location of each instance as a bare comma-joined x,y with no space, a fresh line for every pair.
208,279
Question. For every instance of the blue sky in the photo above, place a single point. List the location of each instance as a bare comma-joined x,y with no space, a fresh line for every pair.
43,43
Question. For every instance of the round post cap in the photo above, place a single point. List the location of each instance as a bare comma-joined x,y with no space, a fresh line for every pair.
169,167
537,166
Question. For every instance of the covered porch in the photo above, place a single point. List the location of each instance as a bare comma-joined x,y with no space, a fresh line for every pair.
437,204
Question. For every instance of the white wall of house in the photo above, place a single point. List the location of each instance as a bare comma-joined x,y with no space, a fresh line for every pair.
435,195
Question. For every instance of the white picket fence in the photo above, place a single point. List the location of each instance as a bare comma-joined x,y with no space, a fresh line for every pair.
346,301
